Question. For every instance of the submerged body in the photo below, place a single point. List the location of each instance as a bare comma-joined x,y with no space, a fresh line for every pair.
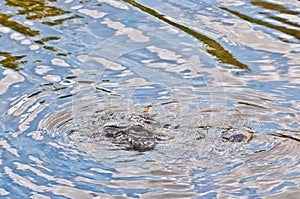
237,135
142,132
134,137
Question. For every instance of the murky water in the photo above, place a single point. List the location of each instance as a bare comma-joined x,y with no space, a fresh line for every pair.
67,66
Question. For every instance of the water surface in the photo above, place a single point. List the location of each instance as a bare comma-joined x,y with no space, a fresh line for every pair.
67,66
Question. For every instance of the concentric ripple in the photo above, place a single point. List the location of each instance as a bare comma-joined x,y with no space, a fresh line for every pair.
199,68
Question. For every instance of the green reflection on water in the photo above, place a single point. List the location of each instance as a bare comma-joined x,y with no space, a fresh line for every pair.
272,6
46,39
293,32
43,42
11,61
59,21
32,10
213,47
285,21
35,9
5,21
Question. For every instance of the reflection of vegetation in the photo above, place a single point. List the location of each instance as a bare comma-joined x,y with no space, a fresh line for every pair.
46,39
11,61
51,48
4,20
286,136
276,7
214,48
35,9
84,1
272,6
284,21
60,21
289,31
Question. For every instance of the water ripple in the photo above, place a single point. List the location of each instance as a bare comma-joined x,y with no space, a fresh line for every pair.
69,67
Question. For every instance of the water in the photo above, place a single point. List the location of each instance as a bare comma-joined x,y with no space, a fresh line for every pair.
68,65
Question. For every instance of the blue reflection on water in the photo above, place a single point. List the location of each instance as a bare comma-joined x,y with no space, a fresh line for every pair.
38,161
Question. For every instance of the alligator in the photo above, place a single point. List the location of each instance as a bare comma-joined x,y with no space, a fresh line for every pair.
141,133
138,134
232,134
